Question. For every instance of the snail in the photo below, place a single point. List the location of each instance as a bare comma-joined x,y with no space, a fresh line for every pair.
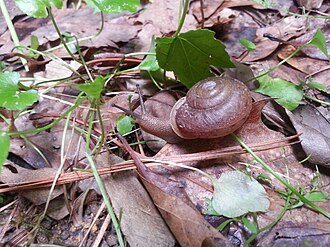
212,108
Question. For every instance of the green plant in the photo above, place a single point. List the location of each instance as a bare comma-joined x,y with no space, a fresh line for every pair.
286,93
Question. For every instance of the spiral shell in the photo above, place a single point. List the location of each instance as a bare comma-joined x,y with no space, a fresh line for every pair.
214,107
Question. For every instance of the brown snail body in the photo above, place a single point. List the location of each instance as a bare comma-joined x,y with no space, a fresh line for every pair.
214,107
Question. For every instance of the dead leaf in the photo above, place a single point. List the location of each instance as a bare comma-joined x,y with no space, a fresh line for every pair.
135,209
12,174
286,234
184,220
317,69
315,133
284,29
159,18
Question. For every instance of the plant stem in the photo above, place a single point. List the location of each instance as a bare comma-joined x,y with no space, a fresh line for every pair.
81,39
106,200
12,30
182,17
60,34
48,126
280,63
273,223
279,178
317,100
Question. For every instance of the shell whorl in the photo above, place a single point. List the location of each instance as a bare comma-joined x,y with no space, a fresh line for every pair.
214,107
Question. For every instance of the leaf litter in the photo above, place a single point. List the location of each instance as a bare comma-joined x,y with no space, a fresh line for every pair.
176,192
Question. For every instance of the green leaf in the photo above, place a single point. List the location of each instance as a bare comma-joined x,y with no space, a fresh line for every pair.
93,89
264,178
320,42
68,38
34,42
250,46
150,62
317,85
124,124
236,194
252,226
190,55
264,3
317,196
222,226
11,97
4,144
114,6
34,45
37,8
288,94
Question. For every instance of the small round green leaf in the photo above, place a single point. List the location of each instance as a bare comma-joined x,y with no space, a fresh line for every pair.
37,8
250,46
114,6
11,96
124,124
236,194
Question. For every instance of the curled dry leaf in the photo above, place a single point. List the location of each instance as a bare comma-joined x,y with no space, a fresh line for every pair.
185,221
315,129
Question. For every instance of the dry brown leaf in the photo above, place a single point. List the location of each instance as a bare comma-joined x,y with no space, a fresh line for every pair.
185,221
286,234
133,207
159,18
284,29
315,129
18,174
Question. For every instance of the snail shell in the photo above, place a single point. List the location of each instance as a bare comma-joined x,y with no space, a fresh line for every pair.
214,107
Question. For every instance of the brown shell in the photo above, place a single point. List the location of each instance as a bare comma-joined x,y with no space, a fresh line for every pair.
214,107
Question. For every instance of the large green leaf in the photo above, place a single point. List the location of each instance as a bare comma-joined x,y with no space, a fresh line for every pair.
4,144
114,6
190,55
11,97
236,194
286,93
37,8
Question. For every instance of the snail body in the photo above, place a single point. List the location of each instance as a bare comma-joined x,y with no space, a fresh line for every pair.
212,108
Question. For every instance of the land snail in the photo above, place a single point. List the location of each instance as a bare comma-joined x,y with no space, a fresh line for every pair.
212,108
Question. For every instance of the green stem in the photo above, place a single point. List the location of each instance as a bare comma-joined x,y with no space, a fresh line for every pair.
81,39
12,30
106,200
60,35
279,178
317,100
182,17
48,126
282,62
89,131
99,115
273,223
53,58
